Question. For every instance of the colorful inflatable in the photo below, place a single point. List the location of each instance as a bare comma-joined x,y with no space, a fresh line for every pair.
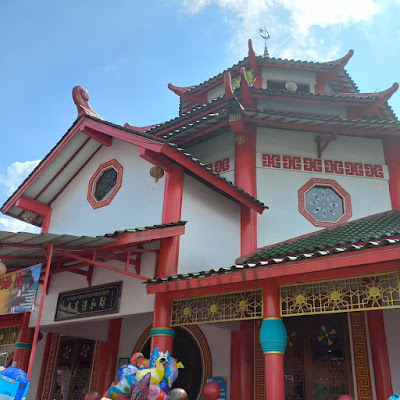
145,379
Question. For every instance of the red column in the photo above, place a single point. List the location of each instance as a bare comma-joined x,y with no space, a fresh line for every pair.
380,357
391,147
23,346
162,336
109,356
273,333
245,178
172,210
242,362
43,368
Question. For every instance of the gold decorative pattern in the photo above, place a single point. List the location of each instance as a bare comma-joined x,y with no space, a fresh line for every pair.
223,307
367,292
96,365
361,360
260,365
50,366
8,335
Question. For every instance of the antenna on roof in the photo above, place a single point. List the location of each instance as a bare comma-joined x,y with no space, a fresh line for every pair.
265,35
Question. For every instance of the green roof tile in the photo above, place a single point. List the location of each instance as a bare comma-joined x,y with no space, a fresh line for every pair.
374,227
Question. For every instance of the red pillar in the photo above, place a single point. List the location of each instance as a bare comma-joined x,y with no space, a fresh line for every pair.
245,178
109,356
23,346
242,362
162,336
172,210
43,369
380,357
391,147
273,340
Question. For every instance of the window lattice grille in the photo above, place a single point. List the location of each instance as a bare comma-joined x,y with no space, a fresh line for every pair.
8,335
223,307
341,295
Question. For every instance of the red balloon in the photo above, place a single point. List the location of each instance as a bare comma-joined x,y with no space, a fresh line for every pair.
212,391
92,396
345,397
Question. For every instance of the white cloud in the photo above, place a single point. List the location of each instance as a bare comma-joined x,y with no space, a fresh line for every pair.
292,23
15,175
15,225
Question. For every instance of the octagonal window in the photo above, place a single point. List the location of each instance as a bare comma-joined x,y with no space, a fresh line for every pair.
324,202
105,183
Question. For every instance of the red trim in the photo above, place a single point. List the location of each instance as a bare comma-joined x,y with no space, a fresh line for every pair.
91,188
189,138
380,357
339,264
245,178
98,136
21,356
254,65
337,188
198,98
247,98
109,356
37,207
208,176
274,369
74,176
43,368
162,318
242,362
41,168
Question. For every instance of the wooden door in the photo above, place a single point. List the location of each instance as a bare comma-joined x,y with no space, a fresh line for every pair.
73,369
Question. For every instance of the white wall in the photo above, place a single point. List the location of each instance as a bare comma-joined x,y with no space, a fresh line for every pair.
138,202
215,92
134,299
219,341
285,75
212,236
392,329
278,188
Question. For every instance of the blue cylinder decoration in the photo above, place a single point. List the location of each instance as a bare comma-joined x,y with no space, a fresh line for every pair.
273,336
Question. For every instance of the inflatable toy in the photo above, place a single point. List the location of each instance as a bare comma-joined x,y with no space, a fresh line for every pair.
177,394
141,391
14,383
157,373
127,369
211,391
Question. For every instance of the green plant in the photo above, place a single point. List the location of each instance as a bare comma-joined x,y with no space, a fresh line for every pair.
250,77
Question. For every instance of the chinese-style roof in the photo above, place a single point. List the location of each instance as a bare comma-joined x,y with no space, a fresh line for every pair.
76,148
23,248
373,231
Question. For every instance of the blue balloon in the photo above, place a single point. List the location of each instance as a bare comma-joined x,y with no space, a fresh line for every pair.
14,382
395,397
127,369
164,386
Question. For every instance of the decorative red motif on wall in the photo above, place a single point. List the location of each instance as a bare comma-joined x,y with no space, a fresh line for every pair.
309,164
312,164
220,165
337,188
102,168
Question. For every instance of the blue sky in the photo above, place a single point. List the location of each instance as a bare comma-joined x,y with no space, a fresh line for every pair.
125,53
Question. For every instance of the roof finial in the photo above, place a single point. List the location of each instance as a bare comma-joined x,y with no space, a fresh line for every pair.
265,35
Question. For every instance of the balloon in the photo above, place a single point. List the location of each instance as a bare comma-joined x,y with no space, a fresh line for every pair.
345,397
164,386
177,394
92,395
19,390
141,390
394,397
212,391
127,369
156,393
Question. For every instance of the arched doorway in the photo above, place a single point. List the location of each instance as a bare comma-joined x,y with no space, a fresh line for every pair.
191,348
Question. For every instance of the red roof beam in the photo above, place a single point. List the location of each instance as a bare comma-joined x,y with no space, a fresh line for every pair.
145,236
98,136
199,98
36,207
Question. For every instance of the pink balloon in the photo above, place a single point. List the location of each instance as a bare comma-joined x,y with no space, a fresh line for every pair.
345,397
211,390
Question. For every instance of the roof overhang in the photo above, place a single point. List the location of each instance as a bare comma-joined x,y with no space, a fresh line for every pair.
78,146
321,265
